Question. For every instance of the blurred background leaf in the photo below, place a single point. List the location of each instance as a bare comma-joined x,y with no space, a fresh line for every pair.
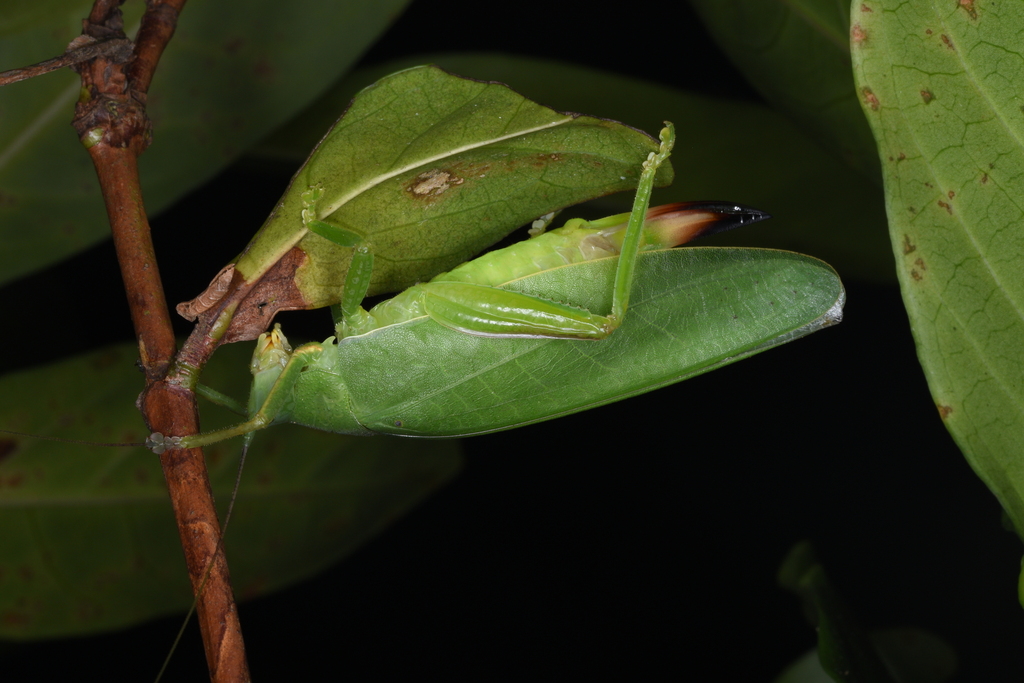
255,73
796,54
847,652
90,543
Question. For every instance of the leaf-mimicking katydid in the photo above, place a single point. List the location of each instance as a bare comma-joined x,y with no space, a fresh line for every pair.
487,347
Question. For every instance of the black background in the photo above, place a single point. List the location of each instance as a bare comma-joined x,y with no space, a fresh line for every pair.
636,540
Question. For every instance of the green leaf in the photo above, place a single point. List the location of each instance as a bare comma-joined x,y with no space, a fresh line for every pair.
430,169
21,14
846,653
807,669
260,62
726,150
844,649
797,55
914,656
940,86
89,539
691,311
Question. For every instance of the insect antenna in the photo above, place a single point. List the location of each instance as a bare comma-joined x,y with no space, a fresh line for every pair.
209,565
129,444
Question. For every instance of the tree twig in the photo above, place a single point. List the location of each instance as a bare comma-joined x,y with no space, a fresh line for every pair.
115,50
112,123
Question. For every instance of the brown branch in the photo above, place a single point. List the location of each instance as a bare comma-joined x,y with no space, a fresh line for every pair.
112,123
80,50
158,25
104,13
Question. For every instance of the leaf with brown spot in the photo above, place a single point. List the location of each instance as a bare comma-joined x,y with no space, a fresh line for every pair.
967,307
430,169
781,168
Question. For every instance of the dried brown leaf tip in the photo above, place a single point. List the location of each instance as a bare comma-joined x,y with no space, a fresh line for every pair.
275,291
218,287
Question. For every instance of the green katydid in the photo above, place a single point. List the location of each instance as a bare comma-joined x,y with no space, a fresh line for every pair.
468,300
690,310
335,386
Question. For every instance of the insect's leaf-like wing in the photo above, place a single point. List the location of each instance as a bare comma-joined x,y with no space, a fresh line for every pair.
89,539
741,151
691,311
940,89
431,168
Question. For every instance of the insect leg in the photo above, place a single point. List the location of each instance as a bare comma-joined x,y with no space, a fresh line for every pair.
357,279
276,369
491,312
634,230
